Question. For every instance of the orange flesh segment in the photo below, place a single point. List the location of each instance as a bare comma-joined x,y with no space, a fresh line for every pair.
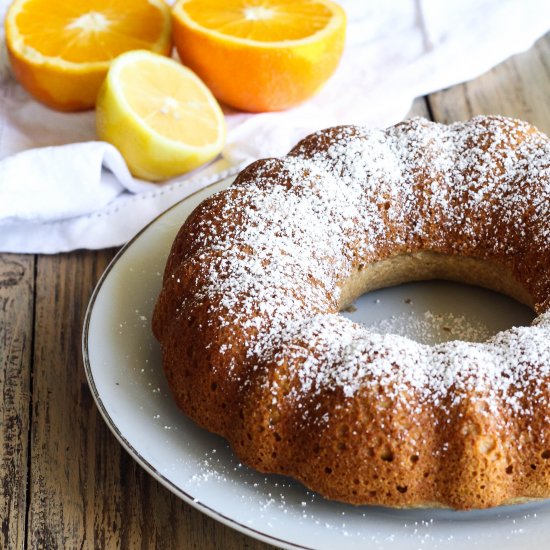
260,20
164,107
87,34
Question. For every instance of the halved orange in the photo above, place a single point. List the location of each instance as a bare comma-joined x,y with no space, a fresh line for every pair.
60,50
260,55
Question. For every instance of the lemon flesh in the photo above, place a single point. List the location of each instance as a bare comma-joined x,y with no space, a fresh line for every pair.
159,115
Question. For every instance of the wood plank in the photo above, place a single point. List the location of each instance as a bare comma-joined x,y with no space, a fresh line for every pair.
16,324
64,435
516,88
85,491
419,108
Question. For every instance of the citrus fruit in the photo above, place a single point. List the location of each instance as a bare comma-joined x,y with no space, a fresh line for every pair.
60,50
159,115
260,55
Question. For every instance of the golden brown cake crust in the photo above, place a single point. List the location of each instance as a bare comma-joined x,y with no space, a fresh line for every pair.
254,347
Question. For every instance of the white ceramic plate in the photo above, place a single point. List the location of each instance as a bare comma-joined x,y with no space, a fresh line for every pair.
123,367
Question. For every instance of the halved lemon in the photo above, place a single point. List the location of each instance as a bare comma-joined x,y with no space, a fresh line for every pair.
159,115
60,50
260,55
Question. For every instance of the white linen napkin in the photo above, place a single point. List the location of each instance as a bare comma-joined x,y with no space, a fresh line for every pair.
60,189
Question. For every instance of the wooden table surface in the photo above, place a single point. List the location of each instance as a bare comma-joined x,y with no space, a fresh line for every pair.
65,480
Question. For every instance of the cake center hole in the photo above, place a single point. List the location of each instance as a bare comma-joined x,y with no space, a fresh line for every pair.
436,311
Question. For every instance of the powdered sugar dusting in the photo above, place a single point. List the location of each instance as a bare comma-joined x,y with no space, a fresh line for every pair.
269,258
351,357
432,328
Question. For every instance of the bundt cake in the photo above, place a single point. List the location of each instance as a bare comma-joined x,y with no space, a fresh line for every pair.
254,347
